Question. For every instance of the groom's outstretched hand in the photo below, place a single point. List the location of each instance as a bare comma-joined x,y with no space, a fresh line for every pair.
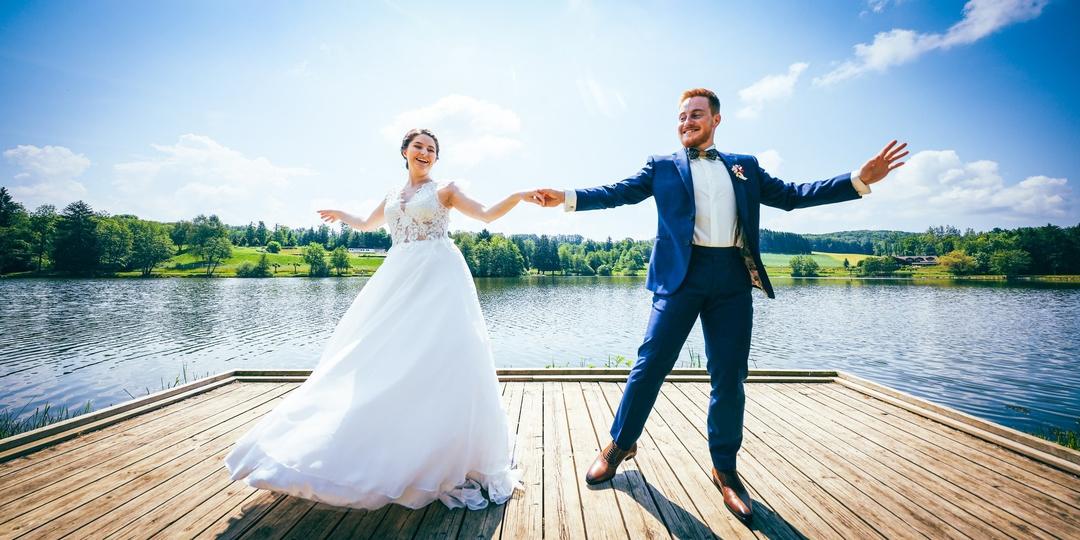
552,197
880,165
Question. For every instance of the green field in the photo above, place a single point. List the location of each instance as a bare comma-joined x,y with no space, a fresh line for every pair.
186,264
825,260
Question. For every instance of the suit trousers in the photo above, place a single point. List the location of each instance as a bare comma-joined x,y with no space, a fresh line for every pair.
717,289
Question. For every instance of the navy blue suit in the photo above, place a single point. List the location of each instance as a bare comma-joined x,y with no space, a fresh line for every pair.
711,283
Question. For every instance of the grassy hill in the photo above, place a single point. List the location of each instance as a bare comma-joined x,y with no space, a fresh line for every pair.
186,264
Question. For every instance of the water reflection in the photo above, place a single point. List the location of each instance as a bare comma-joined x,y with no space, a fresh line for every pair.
1003,351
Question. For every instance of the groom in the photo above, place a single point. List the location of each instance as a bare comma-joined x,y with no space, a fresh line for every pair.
704,264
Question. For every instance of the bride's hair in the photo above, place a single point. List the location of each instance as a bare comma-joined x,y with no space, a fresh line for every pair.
411,134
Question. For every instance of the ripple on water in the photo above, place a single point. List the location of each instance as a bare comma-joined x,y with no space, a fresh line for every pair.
1006,353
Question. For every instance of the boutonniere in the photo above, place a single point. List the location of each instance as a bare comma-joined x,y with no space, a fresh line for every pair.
737,171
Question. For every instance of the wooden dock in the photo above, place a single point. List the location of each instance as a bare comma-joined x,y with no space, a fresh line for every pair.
825,455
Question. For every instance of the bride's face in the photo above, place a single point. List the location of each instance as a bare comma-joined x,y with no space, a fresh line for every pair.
421,154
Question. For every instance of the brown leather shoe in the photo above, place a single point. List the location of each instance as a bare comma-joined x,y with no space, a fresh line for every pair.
603,469
736,498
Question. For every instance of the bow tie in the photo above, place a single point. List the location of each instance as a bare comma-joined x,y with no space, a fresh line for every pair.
710,154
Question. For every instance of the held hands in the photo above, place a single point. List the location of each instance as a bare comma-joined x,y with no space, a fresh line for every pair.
544,197
880,165
549,197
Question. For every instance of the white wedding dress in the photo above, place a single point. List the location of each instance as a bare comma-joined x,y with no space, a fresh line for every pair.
404,405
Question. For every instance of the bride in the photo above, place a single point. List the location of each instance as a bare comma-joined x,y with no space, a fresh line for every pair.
403,406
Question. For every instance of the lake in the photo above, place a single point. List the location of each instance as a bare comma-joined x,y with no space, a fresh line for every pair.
1009,353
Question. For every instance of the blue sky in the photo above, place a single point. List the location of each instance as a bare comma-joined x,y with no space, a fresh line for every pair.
271,110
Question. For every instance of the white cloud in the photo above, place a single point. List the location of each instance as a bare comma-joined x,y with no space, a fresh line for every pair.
937,187
470,130
47,162
199,175
599,99
770,88
899,46
770,160
47,175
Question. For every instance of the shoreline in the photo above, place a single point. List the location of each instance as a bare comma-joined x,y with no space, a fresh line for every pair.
991,278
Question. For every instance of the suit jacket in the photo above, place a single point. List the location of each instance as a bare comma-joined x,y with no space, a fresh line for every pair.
667,178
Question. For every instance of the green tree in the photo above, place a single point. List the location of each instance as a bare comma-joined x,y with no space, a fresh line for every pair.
249,236
273,246
877,266
260,270
180,234
339,259
150,245
212,252
958,263
15,236
42,229
115,240
261,234
1010,262
804,266
315,257
76,248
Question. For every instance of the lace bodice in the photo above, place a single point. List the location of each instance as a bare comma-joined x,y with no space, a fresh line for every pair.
423,217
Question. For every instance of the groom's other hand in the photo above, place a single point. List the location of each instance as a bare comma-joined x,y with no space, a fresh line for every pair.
552,197
880,165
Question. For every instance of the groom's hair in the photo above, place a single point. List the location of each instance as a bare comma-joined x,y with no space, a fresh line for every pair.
714,102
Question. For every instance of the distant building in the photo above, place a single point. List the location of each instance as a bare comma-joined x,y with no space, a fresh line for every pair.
367,251
916,260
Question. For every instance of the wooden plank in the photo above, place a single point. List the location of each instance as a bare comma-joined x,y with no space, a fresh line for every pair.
234,520
441,522
562,500
840,462
20,465
866,507
279,520
680,443
1043,450
400,522
796,499
677,508
211,492
37,475
939,471
600,509
487,523
29,441
359,524
156,487
98,481
524,515
639,511
875,462
1000,491
1048,480
318,523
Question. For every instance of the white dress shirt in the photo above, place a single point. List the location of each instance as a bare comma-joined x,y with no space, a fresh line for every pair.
715,218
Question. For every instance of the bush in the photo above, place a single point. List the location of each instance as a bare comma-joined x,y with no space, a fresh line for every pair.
273,246
248,270
803,266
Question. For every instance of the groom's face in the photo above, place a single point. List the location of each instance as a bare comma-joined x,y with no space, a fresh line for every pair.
696,123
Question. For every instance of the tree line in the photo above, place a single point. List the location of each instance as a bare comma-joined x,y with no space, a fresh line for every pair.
80,241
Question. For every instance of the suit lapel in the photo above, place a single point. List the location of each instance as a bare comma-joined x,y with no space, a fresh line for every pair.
682,163
739,186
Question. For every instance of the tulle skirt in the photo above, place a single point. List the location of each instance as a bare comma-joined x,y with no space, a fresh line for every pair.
404,405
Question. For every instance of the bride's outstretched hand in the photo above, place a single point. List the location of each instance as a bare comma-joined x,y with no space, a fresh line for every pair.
331,216
533,196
